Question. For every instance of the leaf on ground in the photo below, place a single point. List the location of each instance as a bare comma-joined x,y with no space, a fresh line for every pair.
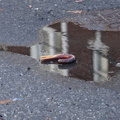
74,11
79,0
9,101
6,101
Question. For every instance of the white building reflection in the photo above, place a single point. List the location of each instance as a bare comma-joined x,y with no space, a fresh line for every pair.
54,43
57,42
100,61
64,37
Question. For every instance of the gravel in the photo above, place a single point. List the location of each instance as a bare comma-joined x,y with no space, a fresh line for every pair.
49,96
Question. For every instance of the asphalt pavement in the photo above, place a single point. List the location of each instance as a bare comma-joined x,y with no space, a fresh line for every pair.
22,21
48,96
41,95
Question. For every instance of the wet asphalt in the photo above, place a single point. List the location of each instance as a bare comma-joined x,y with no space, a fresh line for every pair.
21,21
45,95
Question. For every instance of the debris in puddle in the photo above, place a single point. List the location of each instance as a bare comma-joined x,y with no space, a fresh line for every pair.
62,58
9,101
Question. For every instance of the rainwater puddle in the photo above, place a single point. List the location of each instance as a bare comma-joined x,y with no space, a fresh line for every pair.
97,52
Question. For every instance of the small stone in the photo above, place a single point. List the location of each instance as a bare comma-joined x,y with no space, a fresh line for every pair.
55,5
30,6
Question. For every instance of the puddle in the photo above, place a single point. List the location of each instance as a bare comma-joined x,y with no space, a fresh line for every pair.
97,52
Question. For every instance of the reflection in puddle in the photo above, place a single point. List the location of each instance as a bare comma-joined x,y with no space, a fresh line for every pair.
100,60
97,52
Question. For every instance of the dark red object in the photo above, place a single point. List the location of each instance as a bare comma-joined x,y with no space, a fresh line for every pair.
62,58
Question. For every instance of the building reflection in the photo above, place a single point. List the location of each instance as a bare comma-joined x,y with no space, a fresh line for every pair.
92,60
100,61
54,43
